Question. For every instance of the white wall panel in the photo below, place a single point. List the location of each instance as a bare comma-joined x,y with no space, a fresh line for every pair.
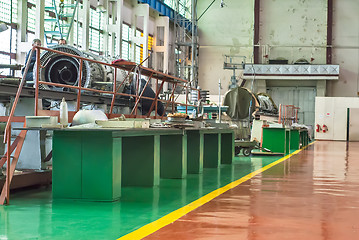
332,111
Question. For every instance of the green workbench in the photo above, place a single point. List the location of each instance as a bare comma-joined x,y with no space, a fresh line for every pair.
227,146
218,145
195,151
304,137
294,139
94,163
276,139
173,155
209,148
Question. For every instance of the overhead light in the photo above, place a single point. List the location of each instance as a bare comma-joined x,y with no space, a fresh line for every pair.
100,8
3,27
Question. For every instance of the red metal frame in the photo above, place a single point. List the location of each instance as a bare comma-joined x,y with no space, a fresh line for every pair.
124,65
290,114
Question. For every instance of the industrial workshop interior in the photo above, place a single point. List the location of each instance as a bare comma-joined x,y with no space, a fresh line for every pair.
179,119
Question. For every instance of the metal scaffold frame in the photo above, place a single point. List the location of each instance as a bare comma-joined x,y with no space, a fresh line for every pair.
186,42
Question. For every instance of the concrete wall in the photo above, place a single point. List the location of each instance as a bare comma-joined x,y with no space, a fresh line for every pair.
223,31
293,29
290,29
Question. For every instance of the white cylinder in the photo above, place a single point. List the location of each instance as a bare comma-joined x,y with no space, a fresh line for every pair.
64,117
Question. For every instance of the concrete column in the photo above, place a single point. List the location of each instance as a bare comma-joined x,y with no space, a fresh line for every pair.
166,50
119,27
321,88
22,11
106,19
109,29
39,24
143,11
70,39
163,48
115,27
146,18
85,25
261,86
21,31
133,36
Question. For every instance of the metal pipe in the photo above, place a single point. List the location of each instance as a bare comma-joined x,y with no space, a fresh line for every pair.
79,85
124,80
157,93
90,89
137,89
17,96
172,97
173,90
193,43
8,155
219,100
114,91
156,99
205,10
139,98
186,99
38,64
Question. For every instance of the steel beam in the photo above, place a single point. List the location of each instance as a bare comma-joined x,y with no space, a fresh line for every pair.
329,31
256,31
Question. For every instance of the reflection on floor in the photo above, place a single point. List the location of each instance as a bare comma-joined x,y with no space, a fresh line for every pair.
313,195
33,213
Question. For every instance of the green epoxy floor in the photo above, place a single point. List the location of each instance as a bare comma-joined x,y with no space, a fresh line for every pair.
34,215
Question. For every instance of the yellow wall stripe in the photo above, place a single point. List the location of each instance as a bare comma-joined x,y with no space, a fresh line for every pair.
173,216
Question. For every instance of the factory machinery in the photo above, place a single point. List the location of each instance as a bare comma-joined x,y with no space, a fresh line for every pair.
258,119
243,108
86,81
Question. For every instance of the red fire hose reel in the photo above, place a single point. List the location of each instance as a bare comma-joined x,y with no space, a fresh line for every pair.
325,128
322,129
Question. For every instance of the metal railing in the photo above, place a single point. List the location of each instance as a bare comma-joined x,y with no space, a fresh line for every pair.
5,193
139,70
288,114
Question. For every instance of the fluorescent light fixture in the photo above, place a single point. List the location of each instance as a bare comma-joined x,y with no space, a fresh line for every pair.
3,27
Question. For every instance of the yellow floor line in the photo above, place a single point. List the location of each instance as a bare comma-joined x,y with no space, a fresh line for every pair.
173,216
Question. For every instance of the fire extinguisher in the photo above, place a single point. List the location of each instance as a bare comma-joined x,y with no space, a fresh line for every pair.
325,128
318,128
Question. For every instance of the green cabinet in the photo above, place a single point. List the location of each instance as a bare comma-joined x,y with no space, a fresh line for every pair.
86,165
195,150
140,161
173,156
294,139
212,150
218,147
94,164
304,137
227,148
277,140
